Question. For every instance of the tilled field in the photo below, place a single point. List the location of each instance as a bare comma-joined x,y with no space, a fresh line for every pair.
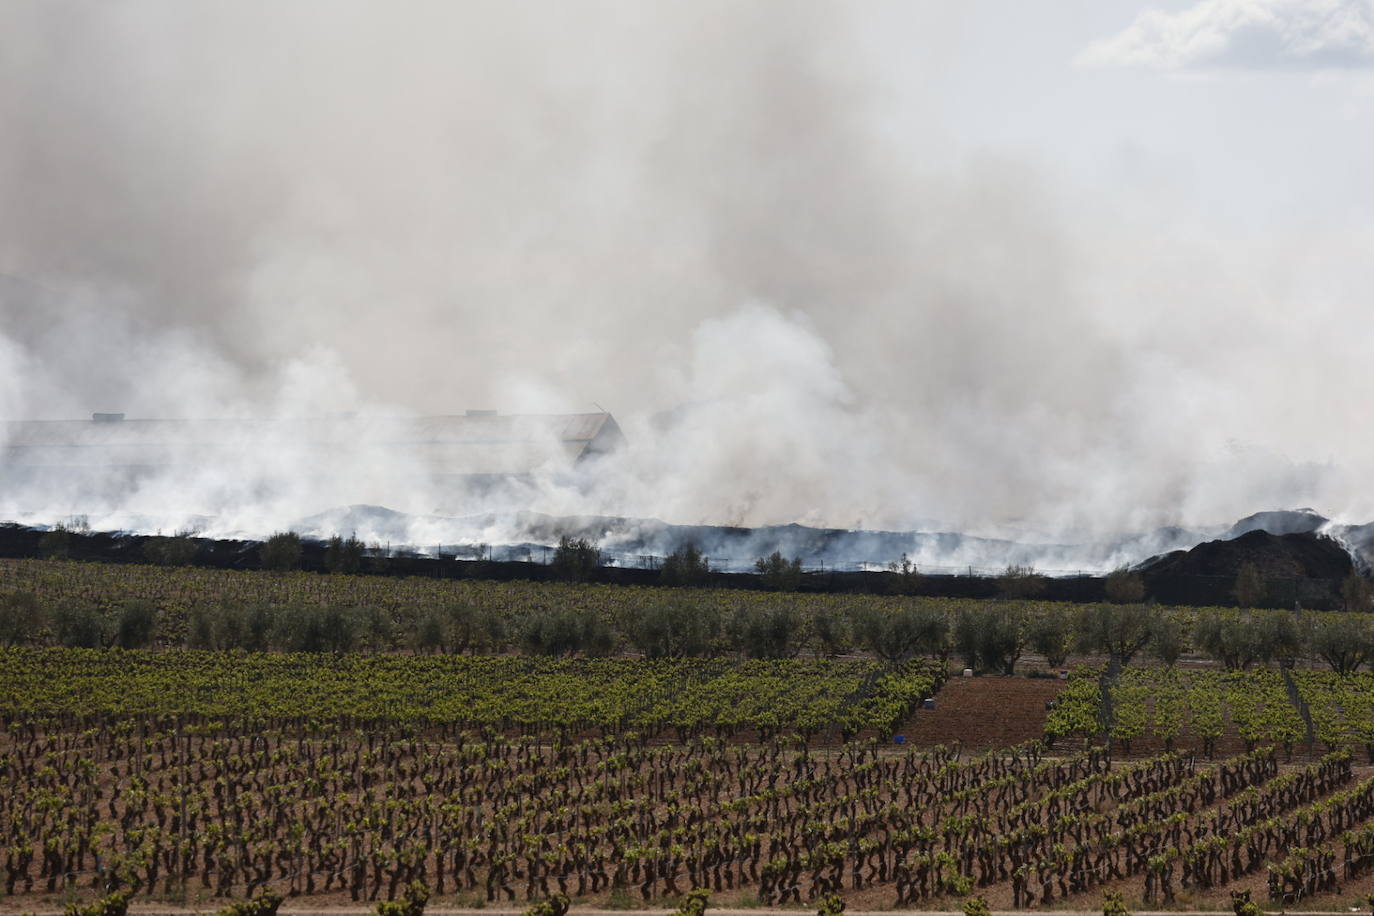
982,713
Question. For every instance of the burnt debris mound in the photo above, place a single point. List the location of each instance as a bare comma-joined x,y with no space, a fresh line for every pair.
1302,567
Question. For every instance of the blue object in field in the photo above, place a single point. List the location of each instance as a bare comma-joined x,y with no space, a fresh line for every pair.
899,739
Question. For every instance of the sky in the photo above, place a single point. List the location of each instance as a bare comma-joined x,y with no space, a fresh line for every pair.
1081,267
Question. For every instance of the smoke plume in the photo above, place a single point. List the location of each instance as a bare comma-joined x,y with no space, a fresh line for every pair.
729,224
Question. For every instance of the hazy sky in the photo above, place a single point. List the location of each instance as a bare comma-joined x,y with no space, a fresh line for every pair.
1085,264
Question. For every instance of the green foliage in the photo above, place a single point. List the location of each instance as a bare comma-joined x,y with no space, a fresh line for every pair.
830,633
251,627
766,632
317,629
695,902
831,904
78,625
344,555
991,637
20,617
1226,639
557,905
1124,587
1113,904
1118,631
566,631
1344,643
575,560
1240,640
116,904
1049,633
504,692
1242,905
977,906
670,629
281,552
1250,588
458,627
779,573
901,633
412,902
264,904
1167,639
685,567
135,623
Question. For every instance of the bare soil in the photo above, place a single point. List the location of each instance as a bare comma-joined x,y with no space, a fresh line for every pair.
984,712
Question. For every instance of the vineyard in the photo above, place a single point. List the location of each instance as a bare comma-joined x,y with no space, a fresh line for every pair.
336,738
549,698
1201,708
214,811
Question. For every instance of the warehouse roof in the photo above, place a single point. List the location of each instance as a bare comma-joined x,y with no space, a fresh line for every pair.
477,442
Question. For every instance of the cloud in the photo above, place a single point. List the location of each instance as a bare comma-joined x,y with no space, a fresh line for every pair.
1246,35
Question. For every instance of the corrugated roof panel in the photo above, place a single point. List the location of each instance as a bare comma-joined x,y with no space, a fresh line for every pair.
457,444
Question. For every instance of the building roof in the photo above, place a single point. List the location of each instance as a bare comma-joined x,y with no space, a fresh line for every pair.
475,443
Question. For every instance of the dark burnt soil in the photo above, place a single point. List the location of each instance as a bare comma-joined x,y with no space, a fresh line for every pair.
1303,568
1304,554
984,712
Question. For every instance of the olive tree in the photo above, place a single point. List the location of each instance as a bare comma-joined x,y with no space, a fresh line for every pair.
765,632
1345,643
1118,631
1168,639
902,633
1050,633
566,631
1240,640
670,629
575,559
135,624
685,567
344,555
281,552
20,616
991,637
778,572
1124,586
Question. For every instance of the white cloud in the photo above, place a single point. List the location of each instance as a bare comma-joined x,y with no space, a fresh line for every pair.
1244,34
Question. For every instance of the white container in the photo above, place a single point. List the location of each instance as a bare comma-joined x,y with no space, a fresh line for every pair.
968,672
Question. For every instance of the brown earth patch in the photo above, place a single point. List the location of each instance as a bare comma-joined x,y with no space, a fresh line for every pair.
984,712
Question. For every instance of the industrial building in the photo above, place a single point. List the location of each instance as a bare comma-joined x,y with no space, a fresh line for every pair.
474,447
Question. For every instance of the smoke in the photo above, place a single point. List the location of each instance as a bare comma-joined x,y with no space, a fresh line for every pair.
735,229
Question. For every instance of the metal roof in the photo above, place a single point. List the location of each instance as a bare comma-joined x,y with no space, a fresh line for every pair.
475,443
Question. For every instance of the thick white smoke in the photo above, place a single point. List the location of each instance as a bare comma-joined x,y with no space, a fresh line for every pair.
725,224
